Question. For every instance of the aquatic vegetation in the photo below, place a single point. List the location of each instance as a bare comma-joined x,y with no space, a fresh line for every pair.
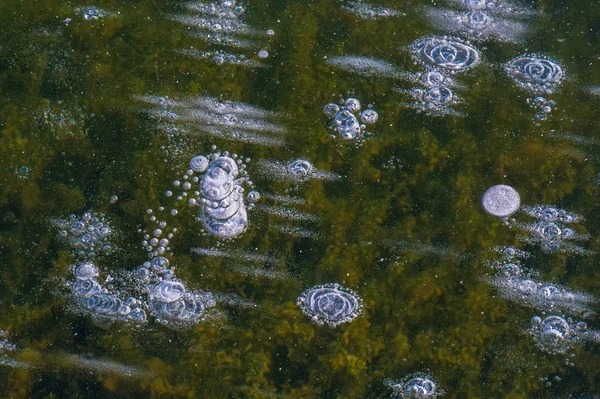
344,119
330,304
501,201
415,387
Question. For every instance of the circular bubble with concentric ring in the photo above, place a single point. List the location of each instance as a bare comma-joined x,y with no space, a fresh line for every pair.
450,54
330,304
537,74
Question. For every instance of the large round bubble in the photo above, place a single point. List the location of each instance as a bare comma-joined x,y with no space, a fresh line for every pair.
501,201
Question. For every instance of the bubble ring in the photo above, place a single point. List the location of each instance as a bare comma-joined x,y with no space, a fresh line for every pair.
105,304
86,287
535,73
448,53
331,304
168,291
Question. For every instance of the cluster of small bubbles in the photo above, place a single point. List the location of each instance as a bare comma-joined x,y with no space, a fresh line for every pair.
367,11
414,387
23,172
5,344
442,57
220,186
480,20
542,107
220,23
220,57
538,75
550,230
155,242
330,304
434,100
516,283
554,334
104,306
89,235
60,120
344,119
169,300
93,13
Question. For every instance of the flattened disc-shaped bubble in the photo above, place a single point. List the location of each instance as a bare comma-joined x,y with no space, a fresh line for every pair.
419,388
253,196
300,169
549,214
369,116
330,304
86,287
476,4
105,304
551,292
554,330
218,182
86,270
199,163
159,264
225,228
347,125
438,96
549,231
226,209
527,287
168,291
433,78
536,74
331,109
477,20
352,105
501,201
450,54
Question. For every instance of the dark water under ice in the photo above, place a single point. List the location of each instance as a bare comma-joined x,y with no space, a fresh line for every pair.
103,105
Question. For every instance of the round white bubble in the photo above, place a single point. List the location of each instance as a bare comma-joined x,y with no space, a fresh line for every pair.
199,163
501,201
